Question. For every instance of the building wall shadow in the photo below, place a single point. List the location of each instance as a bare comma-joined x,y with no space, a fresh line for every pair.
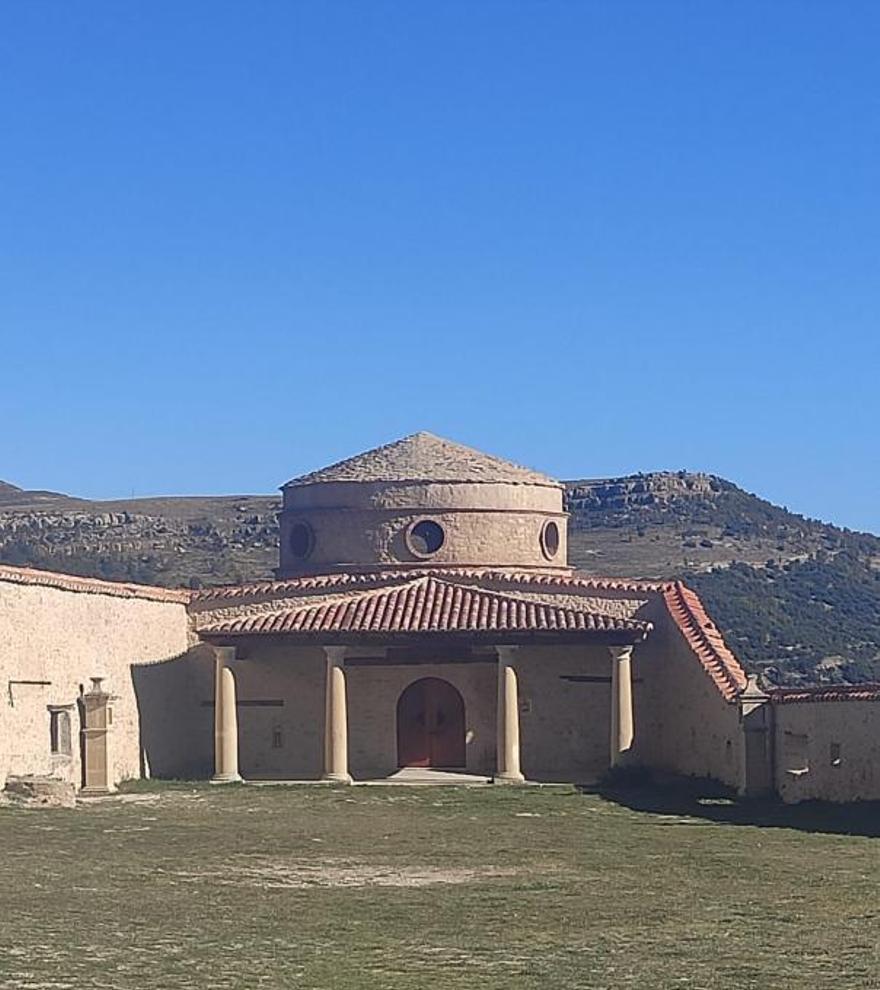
711,804
175,715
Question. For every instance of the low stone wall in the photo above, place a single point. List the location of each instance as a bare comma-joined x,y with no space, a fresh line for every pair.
827,750
58,632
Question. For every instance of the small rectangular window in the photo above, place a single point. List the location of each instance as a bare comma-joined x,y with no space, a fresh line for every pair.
795,752
277,739
59,731
835,754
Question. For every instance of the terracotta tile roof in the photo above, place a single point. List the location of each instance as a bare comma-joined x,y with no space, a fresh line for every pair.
705,640
425,457
91,586
835,692
529,579
422,605
684,607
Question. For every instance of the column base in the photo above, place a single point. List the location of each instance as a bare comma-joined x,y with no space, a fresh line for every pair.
509,778
227,778
337,778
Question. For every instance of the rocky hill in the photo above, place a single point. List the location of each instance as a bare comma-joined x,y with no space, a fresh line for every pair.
797,598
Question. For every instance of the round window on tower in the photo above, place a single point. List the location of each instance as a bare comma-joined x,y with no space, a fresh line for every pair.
425,537
301,540
550,540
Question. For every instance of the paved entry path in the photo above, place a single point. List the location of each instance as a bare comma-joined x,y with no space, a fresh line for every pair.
425,775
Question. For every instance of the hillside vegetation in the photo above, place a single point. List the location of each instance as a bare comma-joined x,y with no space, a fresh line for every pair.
797,599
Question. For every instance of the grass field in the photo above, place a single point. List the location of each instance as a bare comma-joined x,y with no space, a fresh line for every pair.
390,887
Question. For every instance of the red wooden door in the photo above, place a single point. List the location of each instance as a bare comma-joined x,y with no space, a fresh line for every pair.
430,725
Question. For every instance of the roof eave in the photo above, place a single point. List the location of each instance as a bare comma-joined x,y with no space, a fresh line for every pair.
499,637
390,482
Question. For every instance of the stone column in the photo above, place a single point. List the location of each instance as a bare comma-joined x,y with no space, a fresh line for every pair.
507,745
621,702
336,718
97,717
225,719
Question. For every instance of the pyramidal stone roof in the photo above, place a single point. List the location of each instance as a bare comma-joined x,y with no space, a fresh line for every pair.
425,457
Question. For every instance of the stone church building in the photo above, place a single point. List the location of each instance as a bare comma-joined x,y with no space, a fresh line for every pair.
423,615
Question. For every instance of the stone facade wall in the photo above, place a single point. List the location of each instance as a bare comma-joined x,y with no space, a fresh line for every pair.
372,727
565,725
351,540
280,691
362,526
686,726
52,642
827,750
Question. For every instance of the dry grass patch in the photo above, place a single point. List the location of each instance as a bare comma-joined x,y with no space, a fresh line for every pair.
393,888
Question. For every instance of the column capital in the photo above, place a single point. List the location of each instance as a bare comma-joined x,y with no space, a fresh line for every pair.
506,654
620,652
335,655
753,703
224,654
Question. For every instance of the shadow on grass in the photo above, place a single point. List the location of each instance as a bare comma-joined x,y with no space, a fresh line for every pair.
706,801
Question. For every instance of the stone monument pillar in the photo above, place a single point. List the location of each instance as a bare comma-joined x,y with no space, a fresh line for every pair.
97,718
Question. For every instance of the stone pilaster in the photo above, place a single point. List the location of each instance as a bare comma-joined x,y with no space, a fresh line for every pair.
756,720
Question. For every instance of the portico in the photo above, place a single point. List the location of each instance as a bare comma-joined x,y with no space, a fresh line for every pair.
430,706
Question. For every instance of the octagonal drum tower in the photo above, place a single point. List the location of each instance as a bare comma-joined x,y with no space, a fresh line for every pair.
422,502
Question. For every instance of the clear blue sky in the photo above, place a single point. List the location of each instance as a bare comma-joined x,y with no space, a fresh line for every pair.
242,240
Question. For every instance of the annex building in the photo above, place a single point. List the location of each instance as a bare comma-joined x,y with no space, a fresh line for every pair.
423,615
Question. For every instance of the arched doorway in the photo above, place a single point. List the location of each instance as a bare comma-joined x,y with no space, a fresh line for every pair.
430,725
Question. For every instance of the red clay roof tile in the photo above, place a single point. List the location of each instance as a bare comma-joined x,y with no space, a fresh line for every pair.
355,579
705,640
425,604
831,692
92,586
